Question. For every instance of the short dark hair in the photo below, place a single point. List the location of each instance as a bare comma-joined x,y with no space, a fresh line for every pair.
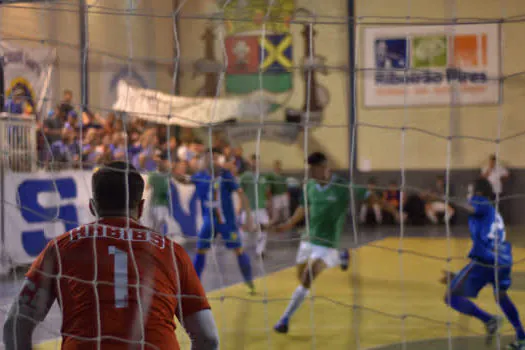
110,191
483,187
253,157
316,158
214,150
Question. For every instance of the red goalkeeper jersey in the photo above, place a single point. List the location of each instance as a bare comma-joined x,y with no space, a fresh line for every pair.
120,284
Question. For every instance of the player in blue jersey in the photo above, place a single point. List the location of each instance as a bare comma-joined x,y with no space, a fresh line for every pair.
215,191
490,263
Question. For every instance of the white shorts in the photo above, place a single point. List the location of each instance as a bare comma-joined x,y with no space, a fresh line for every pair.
280,201
161,215
308,251
259,216
438,206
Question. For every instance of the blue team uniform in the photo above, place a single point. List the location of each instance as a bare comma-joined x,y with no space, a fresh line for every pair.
487,231
218,213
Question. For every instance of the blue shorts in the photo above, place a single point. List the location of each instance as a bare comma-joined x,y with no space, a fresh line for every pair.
473,277
228,232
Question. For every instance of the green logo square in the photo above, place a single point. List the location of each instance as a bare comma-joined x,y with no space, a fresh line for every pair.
429,51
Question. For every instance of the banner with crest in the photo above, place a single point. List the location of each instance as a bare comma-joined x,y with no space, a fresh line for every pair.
27,75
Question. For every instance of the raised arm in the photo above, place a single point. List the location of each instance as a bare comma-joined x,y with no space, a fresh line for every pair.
296,218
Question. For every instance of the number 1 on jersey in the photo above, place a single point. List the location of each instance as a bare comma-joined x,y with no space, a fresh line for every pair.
120,276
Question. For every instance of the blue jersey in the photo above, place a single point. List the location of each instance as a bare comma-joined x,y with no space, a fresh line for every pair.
487,230
216,195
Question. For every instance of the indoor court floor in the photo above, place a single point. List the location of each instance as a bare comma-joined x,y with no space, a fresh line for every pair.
389,296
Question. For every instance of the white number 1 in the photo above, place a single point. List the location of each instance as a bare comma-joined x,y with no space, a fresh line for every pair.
120,276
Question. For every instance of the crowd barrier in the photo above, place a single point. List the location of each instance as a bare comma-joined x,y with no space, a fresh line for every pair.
41,205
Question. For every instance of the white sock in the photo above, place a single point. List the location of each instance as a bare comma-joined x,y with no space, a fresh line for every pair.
260,245
432,216
377,213
362,213
297,299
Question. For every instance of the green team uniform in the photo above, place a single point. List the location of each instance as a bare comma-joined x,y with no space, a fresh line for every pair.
249,185
327,210
278,184
160,184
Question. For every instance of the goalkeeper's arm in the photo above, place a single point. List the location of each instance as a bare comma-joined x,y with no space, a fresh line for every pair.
202,330
29,308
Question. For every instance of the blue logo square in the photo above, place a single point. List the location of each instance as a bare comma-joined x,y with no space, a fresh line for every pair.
391,53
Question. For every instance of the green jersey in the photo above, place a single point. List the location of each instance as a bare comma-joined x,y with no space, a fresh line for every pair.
278,184
160,184
327,210
250,185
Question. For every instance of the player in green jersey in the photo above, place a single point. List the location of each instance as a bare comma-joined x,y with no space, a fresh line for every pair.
160,214
257,191
280,197
327,198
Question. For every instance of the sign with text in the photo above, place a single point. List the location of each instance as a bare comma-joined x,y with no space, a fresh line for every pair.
431,65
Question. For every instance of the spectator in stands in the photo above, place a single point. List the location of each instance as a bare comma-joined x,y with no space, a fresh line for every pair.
169,150
371,201
435,204
66,151
119,147
90,121
72,122
108,124
496,174
15,103
391,201
118,128
53,126
144,160
89,154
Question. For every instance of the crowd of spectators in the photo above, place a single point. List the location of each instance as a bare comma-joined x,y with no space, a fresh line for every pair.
68,139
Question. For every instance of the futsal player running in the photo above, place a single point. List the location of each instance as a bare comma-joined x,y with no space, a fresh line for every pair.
215,191
327,197
93,272
490,263
159,183
257,191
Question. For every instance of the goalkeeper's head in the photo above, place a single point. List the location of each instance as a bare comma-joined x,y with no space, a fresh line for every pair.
318,165
117,191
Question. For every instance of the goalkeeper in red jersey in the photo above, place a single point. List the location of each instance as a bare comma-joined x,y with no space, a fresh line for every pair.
93,272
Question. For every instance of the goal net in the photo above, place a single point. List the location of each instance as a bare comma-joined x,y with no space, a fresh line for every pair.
405,100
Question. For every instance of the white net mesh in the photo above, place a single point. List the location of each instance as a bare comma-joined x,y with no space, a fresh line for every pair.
157,83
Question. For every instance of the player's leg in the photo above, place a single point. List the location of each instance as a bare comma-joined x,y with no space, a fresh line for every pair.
509,309
430,211
261,221
233,241
319,259
204,240
467,284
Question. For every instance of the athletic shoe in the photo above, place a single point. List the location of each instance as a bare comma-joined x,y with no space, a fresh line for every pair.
492,327
517,345
344,256
282,326
251,287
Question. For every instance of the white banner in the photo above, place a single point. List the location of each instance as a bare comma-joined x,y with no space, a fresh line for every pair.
41,206
431,65
190,112
28,71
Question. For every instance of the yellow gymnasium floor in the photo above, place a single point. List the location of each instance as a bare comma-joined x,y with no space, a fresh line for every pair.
362,307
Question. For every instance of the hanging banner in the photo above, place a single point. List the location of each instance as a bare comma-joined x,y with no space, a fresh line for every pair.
27,75
431,65
190,112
